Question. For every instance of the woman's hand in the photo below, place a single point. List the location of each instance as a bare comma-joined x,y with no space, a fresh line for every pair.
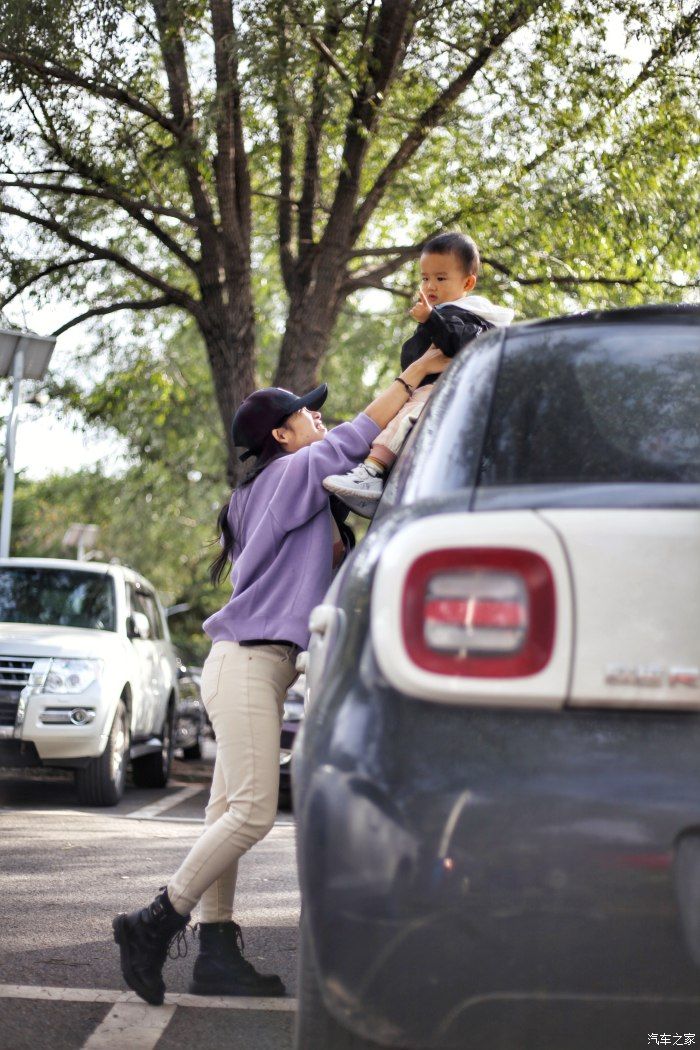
387,404
421,309
432,361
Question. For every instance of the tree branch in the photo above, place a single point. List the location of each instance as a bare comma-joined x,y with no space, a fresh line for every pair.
388,38
175,62
499,32
54,71
79,260
286,141
232,177
323,46
314,127
112,194
101,311
361,253
369,281
372,282
176,294
376,276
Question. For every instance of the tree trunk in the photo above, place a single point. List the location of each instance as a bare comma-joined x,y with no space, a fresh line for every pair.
229,336
313,311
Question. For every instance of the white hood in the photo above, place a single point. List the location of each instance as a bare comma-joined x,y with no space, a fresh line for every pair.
500,316
34,640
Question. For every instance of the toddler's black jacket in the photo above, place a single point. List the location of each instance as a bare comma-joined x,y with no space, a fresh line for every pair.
450,328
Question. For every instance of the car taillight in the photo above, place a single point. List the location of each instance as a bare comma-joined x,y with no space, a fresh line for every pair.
481,612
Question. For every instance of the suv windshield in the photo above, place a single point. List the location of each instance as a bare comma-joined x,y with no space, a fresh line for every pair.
598,405
64,597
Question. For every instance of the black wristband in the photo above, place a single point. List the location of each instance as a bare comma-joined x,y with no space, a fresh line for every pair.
409,389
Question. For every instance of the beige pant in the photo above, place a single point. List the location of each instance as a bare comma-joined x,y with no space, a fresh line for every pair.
387,445
243,689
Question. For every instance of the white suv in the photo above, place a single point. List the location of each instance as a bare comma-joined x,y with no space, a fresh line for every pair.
88,678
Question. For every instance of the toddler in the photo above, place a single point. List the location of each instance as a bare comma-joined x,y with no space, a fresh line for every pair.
449,317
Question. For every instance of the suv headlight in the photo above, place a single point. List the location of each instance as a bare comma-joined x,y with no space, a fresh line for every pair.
72,676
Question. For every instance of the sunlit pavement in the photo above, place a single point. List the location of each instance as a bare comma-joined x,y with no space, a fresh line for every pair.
66,870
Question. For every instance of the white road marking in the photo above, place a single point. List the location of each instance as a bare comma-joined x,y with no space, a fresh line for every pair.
200,820
111,995
169,802
130,1024
140,814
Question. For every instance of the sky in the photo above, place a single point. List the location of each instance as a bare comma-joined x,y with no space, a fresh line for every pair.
49,441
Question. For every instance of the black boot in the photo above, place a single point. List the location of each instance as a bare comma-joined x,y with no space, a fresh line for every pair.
220,968
144,938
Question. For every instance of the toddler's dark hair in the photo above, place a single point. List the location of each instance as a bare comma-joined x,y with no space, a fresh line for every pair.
458,244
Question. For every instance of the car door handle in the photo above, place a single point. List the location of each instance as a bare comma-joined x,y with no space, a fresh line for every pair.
321,618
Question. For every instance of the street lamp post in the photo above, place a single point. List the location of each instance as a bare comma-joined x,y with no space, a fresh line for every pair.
23,355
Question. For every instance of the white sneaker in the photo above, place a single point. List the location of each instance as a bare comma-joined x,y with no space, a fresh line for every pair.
362,483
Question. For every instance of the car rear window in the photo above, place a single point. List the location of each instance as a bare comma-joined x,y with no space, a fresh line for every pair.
596,405
63,597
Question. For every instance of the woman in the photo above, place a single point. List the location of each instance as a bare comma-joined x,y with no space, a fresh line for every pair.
279,531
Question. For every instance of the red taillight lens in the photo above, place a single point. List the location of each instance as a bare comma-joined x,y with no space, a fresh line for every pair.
484,612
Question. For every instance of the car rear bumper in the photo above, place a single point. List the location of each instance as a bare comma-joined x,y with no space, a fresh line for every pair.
480,870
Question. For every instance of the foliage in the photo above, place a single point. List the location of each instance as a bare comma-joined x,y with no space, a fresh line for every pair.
176,154
159,514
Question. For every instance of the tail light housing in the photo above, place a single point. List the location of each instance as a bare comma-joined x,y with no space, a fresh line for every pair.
485,612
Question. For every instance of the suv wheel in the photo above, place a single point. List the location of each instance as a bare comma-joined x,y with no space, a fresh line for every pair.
102,781
152,771
316,1028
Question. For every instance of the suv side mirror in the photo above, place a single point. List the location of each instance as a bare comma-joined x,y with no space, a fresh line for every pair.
137,626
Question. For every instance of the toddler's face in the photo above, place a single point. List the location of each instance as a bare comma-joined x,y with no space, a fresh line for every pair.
442,278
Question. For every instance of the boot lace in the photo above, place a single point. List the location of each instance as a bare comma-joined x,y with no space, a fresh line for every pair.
177,945
240,944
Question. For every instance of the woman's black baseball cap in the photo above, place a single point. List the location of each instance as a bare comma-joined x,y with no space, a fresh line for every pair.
266,409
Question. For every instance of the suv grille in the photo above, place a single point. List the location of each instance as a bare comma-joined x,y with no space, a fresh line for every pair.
14,675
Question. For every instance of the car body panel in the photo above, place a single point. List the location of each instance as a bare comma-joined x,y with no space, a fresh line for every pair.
532,860
636,580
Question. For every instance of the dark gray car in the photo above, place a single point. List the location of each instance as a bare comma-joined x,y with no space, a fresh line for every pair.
498,780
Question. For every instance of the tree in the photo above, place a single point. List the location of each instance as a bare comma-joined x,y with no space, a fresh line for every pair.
158,514
155,152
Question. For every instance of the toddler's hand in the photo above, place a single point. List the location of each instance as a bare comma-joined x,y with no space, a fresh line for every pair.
421,309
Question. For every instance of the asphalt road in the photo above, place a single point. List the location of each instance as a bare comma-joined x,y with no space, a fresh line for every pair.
65,871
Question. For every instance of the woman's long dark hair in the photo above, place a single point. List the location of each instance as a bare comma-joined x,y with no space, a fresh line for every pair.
270,451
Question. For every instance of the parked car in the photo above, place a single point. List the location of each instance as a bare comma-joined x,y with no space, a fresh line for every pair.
497,784
88,678
190,717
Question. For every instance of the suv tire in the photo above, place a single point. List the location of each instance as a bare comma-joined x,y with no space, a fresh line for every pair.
152,771
316,1028
102,781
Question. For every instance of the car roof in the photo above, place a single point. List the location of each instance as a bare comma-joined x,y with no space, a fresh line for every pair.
78,566
688,313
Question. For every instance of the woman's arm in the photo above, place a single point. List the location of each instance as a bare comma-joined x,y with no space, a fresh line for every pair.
300,493
384,407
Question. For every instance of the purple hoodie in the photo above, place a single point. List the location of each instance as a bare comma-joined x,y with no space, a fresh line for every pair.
283,551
